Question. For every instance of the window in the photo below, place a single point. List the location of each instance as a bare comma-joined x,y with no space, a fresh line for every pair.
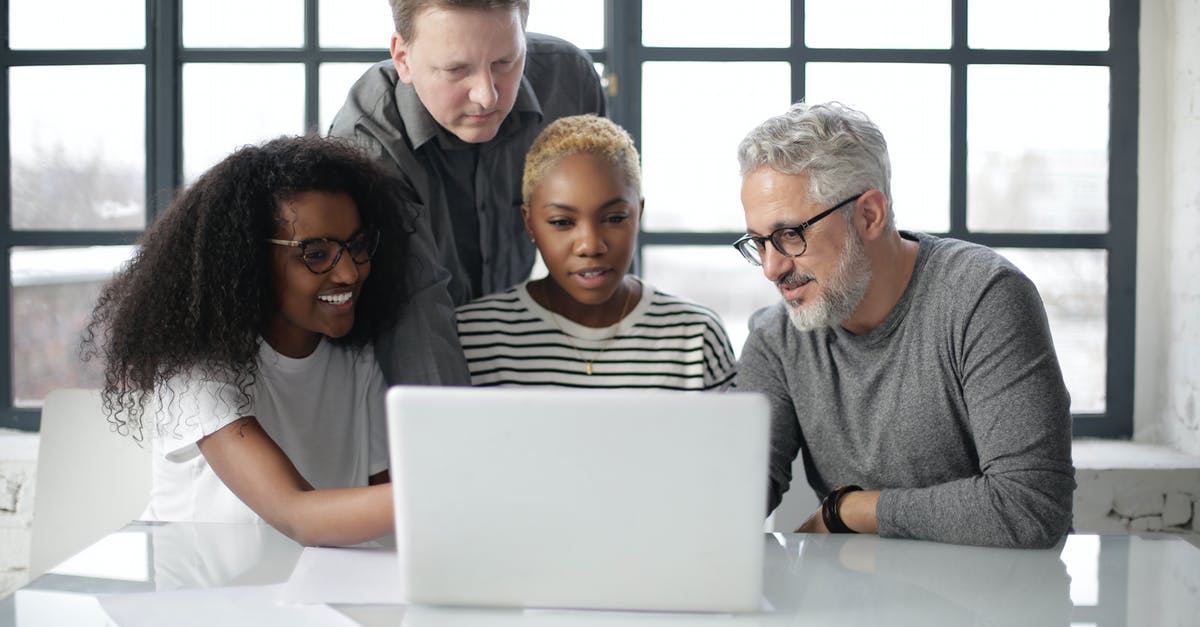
101,125
1011,124
1013,132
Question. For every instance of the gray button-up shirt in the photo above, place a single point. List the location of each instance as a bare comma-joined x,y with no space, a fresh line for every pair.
386,118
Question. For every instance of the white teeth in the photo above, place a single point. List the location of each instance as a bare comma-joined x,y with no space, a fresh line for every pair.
591,273
336,299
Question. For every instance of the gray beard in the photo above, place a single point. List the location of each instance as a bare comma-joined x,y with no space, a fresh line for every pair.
841,294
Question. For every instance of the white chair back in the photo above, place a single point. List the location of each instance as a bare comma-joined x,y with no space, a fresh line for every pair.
90,480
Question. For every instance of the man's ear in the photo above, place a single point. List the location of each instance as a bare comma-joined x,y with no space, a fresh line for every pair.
870,216
399,50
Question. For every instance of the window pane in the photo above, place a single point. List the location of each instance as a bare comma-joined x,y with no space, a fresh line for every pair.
580,22
1037,24
243,23
37,24
1037,148
689,154
336,80
72,171
355,24
714,276
877,24
716,23
1073,285
54,290
916,127
269,102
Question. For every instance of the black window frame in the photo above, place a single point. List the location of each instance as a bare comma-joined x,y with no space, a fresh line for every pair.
622,56
1120,240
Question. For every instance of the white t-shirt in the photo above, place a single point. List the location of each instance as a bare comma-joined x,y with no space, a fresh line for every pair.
326,411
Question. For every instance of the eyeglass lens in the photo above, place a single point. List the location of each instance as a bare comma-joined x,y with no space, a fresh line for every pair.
323,254
789,241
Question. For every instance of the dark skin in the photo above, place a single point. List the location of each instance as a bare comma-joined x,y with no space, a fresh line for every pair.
242,453
583,216
254,468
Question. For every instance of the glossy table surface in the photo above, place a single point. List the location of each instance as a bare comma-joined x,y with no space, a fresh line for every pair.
808,580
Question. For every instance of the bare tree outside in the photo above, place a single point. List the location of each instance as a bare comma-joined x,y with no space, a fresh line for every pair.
55,189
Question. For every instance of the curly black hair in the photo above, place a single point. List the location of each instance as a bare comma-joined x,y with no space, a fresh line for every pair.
197,293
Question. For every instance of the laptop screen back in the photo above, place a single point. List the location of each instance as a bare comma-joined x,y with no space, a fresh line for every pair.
585,499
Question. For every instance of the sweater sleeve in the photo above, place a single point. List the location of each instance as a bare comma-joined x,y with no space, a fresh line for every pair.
1020,420
761,370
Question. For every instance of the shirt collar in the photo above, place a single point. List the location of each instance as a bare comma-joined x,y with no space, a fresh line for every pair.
418,122
421,127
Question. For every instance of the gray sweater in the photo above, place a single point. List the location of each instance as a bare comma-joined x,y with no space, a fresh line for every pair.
954,406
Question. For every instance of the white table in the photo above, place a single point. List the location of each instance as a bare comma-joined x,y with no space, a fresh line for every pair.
809,580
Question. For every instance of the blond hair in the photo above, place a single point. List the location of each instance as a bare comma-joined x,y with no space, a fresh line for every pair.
577,134
405,12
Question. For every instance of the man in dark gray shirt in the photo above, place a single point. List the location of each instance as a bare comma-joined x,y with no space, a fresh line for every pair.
451,116
916,375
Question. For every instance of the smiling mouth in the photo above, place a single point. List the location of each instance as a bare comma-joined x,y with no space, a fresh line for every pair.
335,299
794,282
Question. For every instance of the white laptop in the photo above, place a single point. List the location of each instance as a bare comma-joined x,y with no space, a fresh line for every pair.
596,499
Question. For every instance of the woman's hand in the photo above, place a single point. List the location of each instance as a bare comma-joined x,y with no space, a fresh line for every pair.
255,469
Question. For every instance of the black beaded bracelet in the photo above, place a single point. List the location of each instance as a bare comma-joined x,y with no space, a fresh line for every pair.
829,510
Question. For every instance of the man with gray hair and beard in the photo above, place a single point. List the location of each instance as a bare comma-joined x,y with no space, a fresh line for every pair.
915,374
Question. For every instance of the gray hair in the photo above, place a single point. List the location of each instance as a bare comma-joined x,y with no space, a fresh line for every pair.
840,149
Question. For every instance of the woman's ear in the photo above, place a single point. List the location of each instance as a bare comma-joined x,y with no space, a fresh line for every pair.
528,222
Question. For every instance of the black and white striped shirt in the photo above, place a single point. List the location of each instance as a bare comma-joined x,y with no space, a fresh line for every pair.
665,342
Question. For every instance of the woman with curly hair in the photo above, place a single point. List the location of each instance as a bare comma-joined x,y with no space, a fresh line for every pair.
588,323
238,341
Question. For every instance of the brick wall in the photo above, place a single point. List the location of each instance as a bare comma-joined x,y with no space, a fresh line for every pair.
1129,487
18,461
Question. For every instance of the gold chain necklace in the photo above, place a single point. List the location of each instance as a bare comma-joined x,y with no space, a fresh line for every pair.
587,363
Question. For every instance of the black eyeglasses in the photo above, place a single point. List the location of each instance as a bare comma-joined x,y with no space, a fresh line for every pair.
788,240
322,254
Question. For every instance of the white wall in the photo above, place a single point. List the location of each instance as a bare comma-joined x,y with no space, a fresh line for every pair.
1167,379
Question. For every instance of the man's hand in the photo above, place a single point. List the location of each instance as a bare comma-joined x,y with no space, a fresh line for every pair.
814,524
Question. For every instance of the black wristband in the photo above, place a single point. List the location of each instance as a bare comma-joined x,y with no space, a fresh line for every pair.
830,514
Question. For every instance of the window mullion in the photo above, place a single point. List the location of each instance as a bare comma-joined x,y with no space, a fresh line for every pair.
798,54
1124,20
164,120
624,55
958,120
10,418
312,66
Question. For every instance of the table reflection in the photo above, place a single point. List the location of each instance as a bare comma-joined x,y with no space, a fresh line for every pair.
869,580
212,555
852,580
842,580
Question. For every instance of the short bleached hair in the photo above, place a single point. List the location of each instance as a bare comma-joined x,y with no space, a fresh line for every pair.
578,134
